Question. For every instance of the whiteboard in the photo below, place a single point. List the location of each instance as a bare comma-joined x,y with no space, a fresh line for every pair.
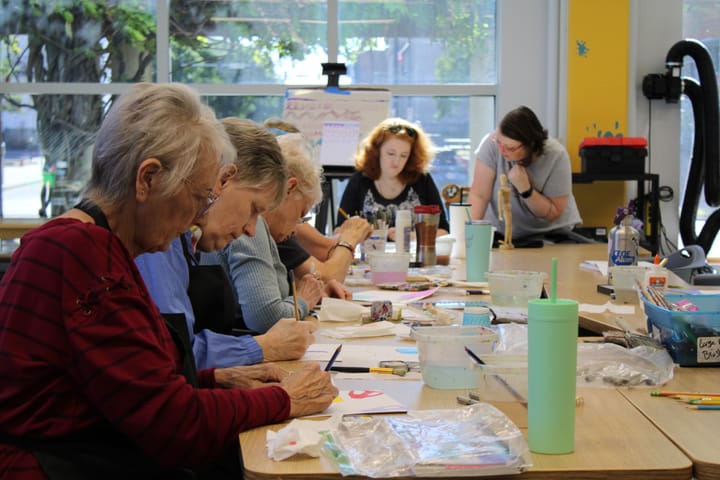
335,120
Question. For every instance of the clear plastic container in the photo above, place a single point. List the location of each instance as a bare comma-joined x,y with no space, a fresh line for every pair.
513,288
443,360
388,267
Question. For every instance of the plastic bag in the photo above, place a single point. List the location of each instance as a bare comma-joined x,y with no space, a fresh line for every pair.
470,441
598,364
607,364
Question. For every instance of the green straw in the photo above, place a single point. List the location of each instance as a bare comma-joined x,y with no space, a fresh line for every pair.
553,281
467,212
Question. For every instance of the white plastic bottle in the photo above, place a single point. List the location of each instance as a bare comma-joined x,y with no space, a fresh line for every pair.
403,226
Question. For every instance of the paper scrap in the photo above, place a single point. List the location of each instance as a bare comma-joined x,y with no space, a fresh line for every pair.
362,402
607,306
395,296
599,266
360,355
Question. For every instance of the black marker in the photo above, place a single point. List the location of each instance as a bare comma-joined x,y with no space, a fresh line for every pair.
333,358
477,291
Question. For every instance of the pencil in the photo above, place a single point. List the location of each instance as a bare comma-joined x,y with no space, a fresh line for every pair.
477,291
333,358
704,407
715,401
294,294
343,213
670,393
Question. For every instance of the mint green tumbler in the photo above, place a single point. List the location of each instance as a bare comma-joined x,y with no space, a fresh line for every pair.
552,365
478,242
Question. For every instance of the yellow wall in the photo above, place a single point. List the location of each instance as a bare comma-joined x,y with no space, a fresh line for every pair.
597,98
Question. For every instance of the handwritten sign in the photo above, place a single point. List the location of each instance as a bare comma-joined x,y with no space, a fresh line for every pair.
339,141
345,115
708,349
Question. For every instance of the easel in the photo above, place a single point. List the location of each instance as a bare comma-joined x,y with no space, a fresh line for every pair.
341,112
326,209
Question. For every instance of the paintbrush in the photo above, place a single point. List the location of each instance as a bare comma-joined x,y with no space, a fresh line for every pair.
388,370
294,294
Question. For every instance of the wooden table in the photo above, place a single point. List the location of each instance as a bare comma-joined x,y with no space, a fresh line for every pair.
695,432
620,433
572,282
612,439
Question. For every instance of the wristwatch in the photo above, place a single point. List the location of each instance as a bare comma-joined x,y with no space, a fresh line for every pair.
527,193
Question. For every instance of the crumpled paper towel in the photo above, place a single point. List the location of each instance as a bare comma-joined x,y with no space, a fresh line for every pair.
374,329
338,310
299,436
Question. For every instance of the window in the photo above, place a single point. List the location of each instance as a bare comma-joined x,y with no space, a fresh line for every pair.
437,58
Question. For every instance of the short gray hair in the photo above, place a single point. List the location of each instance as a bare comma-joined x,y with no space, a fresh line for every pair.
164,121
300,161
260,162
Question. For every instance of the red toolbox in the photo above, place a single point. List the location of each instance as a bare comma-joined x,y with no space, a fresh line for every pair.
613,154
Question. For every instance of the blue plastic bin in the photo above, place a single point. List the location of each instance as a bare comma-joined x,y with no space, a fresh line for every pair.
691,338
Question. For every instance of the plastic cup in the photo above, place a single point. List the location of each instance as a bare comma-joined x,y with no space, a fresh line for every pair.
375,243
443,360
388,267
443,248
552,365
476,316
513,288
478,241
624,280
458,217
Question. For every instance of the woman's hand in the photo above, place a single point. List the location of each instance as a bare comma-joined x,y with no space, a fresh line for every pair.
333,288
288,339
250,376
518,176
310,389
310,289
354,230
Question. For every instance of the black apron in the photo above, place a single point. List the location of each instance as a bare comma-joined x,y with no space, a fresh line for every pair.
103,452
212,297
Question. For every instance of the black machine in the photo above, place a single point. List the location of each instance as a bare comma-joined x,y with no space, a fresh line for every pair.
705,161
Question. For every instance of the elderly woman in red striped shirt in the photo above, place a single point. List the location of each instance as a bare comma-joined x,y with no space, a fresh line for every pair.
93,382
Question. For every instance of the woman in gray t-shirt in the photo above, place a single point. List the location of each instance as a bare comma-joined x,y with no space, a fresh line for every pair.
537,169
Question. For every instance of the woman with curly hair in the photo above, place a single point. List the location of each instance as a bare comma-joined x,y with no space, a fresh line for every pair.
393,173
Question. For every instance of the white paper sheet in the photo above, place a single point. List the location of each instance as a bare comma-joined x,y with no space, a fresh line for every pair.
395,296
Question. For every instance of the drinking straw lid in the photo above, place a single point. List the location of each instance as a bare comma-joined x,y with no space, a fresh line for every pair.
427,208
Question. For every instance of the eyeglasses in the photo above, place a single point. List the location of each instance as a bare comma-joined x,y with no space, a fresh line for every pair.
395,129
504,147
205,197
304,219
212,197
307,213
